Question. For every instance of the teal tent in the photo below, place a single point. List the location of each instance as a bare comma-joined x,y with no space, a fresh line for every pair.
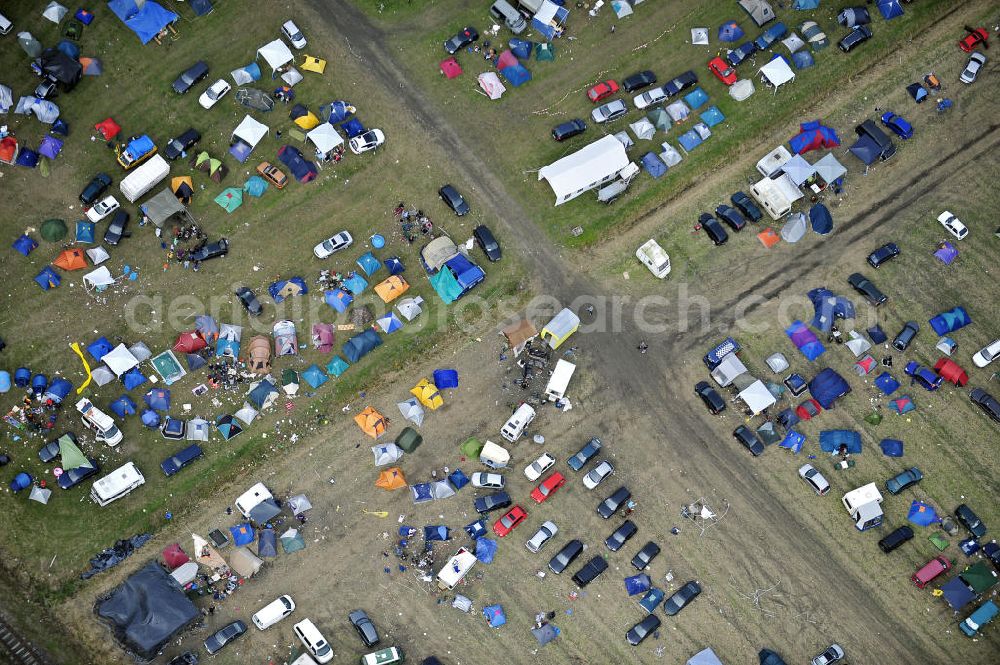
230,199
446,286
255,186
337,366
315,376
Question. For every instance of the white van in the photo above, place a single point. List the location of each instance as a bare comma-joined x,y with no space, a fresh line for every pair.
144,178
559,381
253,496
304,659
99,423
383,657
502,10
313,641
273,612
455,569
116,484
5,25
515,426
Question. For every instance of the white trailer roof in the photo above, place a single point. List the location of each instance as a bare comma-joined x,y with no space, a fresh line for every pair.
586,168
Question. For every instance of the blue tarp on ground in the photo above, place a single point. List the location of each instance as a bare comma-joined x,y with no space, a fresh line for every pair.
437,533
690,140
793,441
730,31
891,447
831,440
712,116
25,245
495,616
338,299
922,514
950,321
315,376
828,308
805,340
99,348
123,406
637,584
445,378
696,98
886,383
147,22
48,278
356,284
267,543
133,378
653,165
957,593
821,220
486,549
358,346
517,75
827,387
243,534
369,263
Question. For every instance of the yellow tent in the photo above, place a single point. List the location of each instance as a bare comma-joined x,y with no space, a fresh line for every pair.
307,121
371,422
391,288
428,394
560,328
313,64
391,479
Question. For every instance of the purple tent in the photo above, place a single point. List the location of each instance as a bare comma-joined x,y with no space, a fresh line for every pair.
946,253
805,340
50,147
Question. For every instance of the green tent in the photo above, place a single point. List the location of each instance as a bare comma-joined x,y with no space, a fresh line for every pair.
292,541
659,118
409,440
544,51
230,199
979,577
336,366
472,447
70,454
54,230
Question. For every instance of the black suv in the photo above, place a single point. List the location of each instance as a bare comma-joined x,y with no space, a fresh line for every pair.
645,556
176,147
190,77
970,520
860,33
463,38
884,253
732,217
610,506
864,286
680,84
746,205
212,250
116,228
95,189
749,439
905,337
710,396
491,502
986,402
621,535
714,230
568,130
249,301
590,571
565,556
639,81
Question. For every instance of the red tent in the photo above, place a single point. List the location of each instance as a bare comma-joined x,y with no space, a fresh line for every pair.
108,128
505,60
450,68
174,556
189,342
8,149
951,372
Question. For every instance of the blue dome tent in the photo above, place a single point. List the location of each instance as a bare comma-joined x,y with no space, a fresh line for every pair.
394,265
891,447
39,383
133,378
315,376
730,31
369,264
827,387
58,390
99,348
22,377
25,245
123,406
158,399
494,613
445,378
22,481
150,418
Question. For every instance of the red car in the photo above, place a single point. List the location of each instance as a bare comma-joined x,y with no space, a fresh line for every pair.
511,519
548,487
722,71
602,91
974,39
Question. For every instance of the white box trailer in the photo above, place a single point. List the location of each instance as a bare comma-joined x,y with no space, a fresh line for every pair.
864,505
652,255
116,484
559,381
144,178
455,569
494,456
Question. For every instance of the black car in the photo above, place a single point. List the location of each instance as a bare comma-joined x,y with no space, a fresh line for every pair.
50,451
681,598
73,477
491,502
186,658
896,538
970,521
366,629
568,130
992,552
645,556
864,286
610,506
565,556
986,402
621,535
487,243
640,631
212,250
454,200
590,571
741,53
680,84
585,454
710,396
175,463
714,230
95,189
224,636
860,33
639,81
905,337
749,439
886,252
190,77
116,228
903,480
178,146
249,301
746,205
465,36
731,216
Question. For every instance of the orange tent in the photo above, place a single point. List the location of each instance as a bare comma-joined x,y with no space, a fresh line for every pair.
391,479
71,259
391,288
768,237
371,422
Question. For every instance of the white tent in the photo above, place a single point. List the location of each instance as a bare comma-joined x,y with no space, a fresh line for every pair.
793,43
409,308
777,73
98,255
643,129
727,371
119,360
276,54
291,77
741,90
299,504
40,494
98,278
386,453
412,411
247,414
197,430
250,131
325,138
699,36
586,169
55,12
757,397
6,99
624,138
491,85
102,376
828,169
798,170
670,156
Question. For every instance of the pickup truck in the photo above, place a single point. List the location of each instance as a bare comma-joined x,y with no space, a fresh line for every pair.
653,257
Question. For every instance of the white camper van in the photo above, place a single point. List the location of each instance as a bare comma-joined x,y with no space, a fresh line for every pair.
253,496
99,423
515,426
144,178
116,484
559,381
455,569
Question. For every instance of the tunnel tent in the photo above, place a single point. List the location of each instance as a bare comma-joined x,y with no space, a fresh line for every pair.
950,321
834,440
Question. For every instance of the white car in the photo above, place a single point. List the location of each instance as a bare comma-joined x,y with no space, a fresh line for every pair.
953,224
215,92
370,140
971,71
542,536
273,612
649,97
610,111
651,254
535,470
102,208
333,244
598,474
814,479
987,354
293,34
493,481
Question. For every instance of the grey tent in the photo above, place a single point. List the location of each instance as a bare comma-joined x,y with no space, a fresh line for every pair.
412,411
462,603
247,414
386,453
162,207
643,129
40,494
829,168
197,430
244,562
264,511
409,440
670,155
140,351
6,98
545,634
31,46
659,118
267,543
741,90
255,99
55,12
798,169
102,376
292,541
760,11
625,139
704,657
678,111
442,489
794,228
299,504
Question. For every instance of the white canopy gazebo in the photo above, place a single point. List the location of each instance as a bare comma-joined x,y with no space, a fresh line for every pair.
777,72
326,139
276,54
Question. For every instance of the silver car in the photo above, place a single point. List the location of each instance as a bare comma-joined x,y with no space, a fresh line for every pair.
649,97
814,479
333,245
610,111
542,536
987,354
598,474
833,653
971,71
493,481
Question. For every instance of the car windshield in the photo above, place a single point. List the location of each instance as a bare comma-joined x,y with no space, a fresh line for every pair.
507,521
543,490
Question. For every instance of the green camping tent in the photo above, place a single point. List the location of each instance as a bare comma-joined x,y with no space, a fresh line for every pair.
54,230
979,577
70,455
230,199
472,447
544,51
409,440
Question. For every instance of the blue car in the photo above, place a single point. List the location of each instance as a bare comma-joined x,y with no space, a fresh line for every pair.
585,454
741,53
175,463
899,126
771,35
